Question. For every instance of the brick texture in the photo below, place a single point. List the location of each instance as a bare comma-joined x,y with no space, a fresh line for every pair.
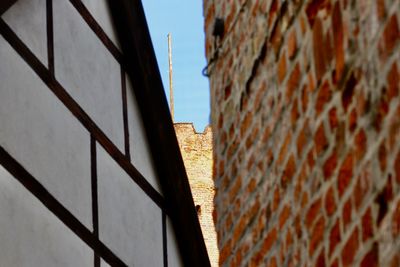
196,150
306,131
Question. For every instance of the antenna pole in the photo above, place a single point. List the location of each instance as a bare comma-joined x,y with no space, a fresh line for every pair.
171,89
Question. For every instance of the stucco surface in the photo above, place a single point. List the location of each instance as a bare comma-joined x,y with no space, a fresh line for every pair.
32,236
88,71
102,15
27,18
139,148
43,135
129,222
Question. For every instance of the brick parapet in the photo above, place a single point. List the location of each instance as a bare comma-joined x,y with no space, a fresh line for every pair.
305,115
196,150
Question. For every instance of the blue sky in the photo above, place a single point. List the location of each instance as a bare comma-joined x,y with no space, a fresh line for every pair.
184,20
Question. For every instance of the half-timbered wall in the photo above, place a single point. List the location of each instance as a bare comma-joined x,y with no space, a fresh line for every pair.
77,182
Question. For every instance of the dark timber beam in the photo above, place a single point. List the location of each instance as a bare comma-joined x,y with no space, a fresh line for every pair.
141,67
6,4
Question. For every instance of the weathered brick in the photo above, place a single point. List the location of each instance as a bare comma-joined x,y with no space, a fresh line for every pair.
312,212
330,165
360,141
338,37
345,174
317,234
333,118
320,80
350,248
293,82
282,67
324,95
285,213
367,225
390,37
318,47
321,260
289,171
292,44
346,213
371,259
320,140
382,156
334,237
396,220
330,203
303,138
312,9
348,92
393,82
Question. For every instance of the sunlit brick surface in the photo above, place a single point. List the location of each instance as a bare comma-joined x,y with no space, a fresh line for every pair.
306,131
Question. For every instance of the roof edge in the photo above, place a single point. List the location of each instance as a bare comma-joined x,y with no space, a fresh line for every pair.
141,66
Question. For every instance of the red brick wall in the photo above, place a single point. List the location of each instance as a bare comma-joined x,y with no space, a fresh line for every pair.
306,122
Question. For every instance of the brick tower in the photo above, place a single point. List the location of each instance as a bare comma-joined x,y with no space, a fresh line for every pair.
196,149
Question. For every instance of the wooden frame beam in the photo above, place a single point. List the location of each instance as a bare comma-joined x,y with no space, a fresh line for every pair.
6,4
142,69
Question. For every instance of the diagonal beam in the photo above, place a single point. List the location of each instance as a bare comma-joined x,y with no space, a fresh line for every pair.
6,4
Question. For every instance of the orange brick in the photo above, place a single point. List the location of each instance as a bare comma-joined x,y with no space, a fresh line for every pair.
282,67
320,140
345,174
360,191
352,120
292,44
338,38
334,237
371,259
303,138
382,156
396,220
348,92
317,235
393,82
269,241
293,82
285,213
330,165
360,141
333,119
318,49
350,249
289,171
347,212
330,203
367,225
312,212
321,260
323,97
284,148
390,37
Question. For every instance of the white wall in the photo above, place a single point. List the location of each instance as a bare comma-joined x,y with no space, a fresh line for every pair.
139,147
51,144
27,18
30,235
41,134
88,71
129,221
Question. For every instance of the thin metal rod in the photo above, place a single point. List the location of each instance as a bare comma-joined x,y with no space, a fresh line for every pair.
171,88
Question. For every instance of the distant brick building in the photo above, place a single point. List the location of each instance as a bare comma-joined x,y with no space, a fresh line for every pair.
196,149
306,131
